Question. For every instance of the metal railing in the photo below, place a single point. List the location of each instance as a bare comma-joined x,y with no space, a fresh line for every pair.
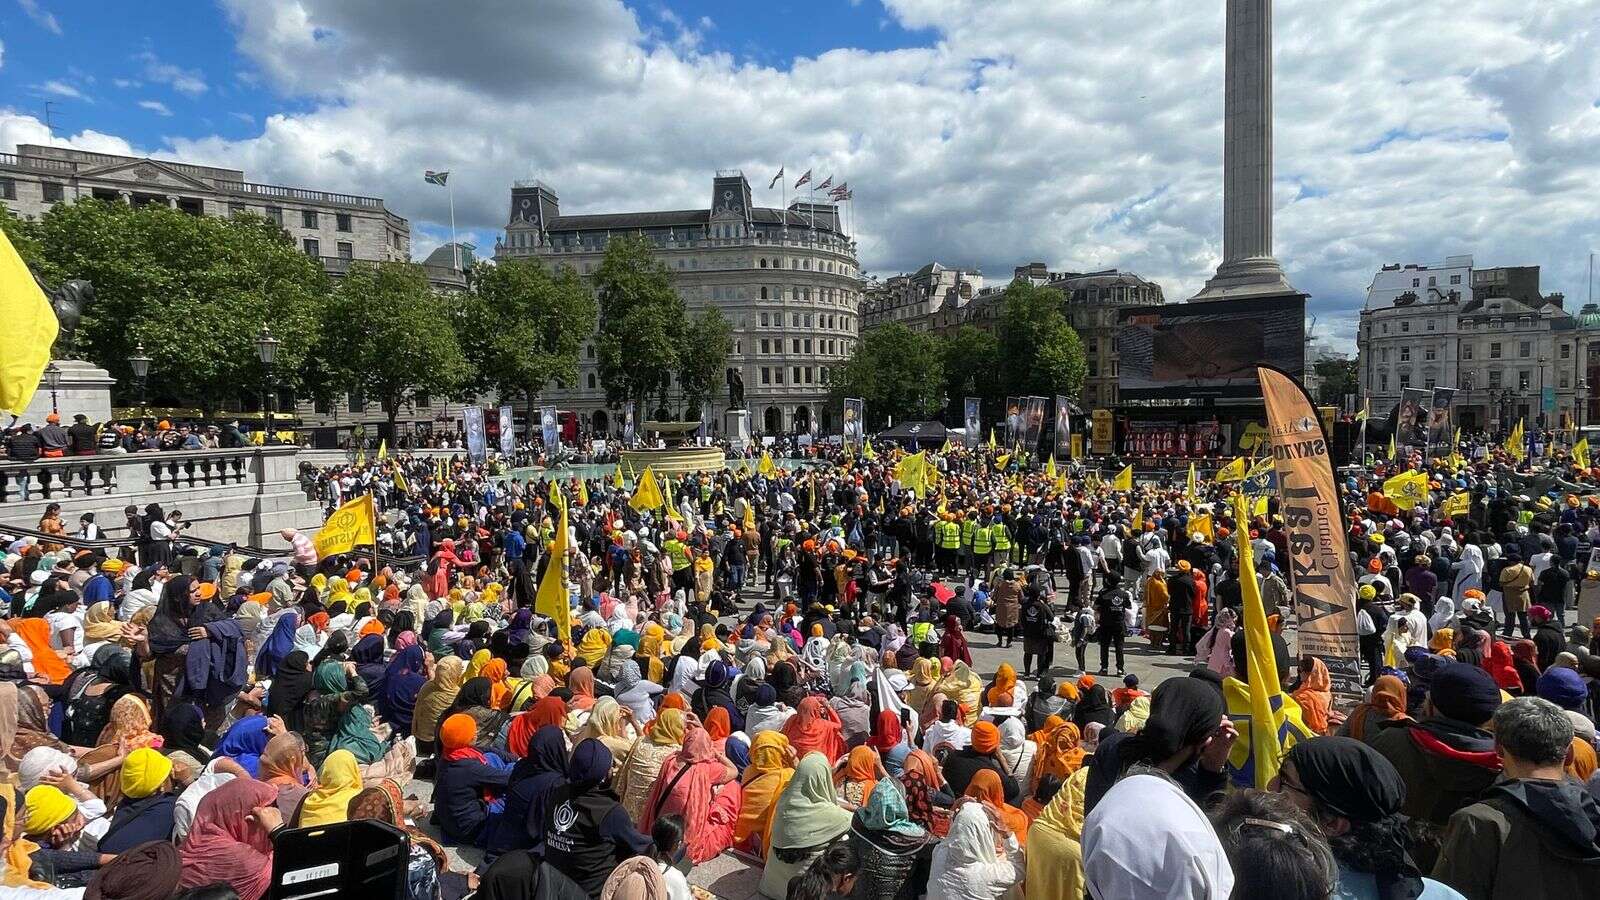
302,194
126,544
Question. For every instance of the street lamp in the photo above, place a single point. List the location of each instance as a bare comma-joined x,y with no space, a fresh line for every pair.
52,379
141,370
267,350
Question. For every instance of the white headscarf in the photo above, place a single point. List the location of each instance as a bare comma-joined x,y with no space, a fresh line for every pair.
1147,839
1444,614
41,761
965,864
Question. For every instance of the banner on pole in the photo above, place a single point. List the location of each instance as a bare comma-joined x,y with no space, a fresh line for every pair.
472,420
1063,432
854,424
1319,561
508,431
1013,421
627,426
1101,437
1032,423
351,525
973,422
549,429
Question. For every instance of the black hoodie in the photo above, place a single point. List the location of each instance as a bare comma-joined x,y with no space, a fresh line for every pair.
1524,839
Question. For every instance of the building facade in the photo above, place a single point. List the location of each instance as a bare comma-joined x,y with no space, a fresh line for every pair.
787,280
931,299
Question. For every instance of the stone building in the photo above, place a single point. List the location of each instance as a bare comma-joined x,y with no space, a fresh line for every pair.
931,299
787,280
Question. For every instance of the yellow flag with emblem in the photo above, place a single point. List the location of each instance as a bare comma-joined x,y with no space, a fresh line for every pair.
383,448
647,494
1138,519
1233,471
1458,504
1580,453
552,598
749,515
1407,490
400,482
912,473
1190,490
1124,479
1203,525
766,466
945,448
583,492
352,525
867,452
992,445
1260,749
1514,443
1001,461
666,490
30,330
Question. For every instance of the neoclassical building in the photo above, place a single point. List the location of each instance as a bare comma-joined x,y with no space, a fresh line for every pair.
786,279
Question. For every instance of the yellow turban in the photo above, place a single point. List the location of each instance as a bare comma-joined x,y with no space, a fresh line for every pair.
47,807
319,581
143,772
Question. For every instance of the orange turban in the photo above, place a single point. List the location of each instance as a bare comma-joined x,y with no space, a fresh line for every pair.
458,731
985,737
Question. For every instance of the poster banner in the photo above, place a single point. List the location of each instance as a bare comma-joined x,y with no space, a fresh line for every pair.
1439,429
508,432
1411,422
974,423
854,424
549,430
1063,446
1319,561
627,426
1032,423
472,420
1013,435
1100,439
704,434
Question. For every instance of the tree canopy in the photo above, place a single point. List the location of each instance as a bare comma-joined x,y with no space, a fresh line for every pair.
1336,377
642,323
1040,352
897,372
522,325
972,369
706,344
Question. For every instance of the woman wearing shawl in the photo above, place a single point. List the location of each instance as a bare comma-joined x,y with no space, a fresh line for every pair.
129,724
1525,660
889,739
924,676
169,635
581,682
805,820
1060,754
966,865
954,642
245,742
608,724
480,658
338,781
593,646
718,727
367,654
277,645
23,707
1500,664
700,785
1385,703
440,566
815,726
894,851
547,711
593,834
100,627
1055,854
986,787
643,764
230,839
338,691
766,713
384,803
466,780
771,766
1315,694
856,775
1002,691
284,766
499,687
1215,649
402,685
540,767
1017,753
433,698
1094,704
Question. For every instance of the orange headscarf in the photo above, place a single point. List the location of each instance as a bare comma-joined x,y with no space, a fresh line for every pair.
860,768
1003,693
1583,760
1060,754
581,682
1388,701
1315,696
372,627
718,725
1048,728
985,786
816,726
547,711
499,692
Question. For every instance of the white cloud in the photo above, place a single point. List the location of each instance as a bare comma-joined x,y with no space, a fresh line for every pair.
41,17
59,88
126,83
21,128
190,82
155,106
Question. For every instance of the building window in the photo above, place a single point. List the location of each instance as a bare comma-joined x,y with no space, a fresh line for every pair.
347,250
341,222
53,191
1416,282
322,407
777,374
1466,351
8,189
1565,381
1524,349
1455,279
796,375
1385,327
275,213
589,351
1566,351
1494,379
1430,324
794,320
358,403
422,399
808,346
308,218
766,375
1405,354
766,346
795,345
763,265
1524,377
1383,382
1405,380
764,322
1494,350
1406,325
591,381
312,246
1432,281
1429,354
1383,355
763,296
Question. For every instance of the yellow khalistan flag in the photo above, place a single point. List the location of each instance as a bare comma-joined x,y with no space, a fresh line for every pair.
552,598
1407,490
30,330
1233,471
400,481
1189,489
1124,479
1580,453
1262,746
583,492
616,477
912,473
666,488
1050,467
1514,443
1458,504
765,466
1203,525
1138,521
646,494
1391,447
866,450
350,526
383,448
361,458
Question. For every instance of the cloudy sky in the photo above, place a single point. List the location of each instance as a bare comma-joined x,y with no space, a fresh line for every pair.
1083,133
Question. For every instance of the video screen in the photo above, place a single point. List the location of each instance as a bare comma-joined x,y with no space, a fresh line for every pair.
1208,349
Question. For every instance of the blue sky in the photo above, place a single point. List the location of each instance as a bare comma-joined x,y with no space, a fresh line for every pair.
976,133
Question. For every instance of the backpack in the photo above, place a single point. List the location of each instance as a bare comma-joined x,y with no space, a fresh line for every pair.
87,715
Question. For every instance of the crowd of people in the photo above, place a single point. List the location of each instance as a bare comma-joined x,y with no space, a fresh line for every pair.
778,664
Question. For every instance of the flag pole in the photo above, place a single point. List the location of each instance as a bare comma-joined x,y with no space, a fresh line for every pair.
455,246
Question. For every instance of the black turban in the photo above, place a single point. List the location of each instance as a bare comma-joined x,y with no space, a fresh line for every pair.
1348,778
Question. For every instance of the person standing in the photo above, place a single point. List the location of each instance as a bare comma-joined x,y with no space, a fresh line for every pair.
82,437
1111,613
1038,633
1007,608
1516,582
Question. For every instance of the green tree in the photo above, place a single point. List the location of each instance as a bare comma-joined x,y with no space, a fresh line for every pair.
706,344
389,335
1042,354
1336,376
642,324
194,289
972,369
522,326
897,372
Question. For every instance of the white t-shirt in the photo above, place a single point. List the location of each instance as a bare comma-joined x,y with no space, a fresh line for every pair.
677,885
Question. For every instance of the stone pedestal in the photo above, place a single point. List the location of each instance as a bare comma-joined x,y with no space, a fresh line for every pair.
85,388
736,426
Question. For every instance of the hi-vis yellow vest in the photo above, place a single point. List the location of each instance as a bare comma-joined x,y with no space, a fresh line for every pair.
1002,537
949,535
983,541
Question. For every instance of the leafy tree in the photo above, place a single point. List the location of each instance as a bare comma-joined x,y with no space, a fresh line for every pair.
972,369
706,344
388,334
643,322
522,326
194,289
897,372
1336,376
1042,354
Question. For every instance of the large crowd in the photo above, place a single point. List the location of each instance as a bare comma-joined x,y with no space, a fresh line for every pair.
778,664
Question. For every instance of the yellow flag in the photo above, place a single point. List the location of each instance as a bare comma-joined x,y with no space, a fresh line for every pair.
400,482
616,477
1407,490
1455,442
1203,525
1138,519
30,330
666,489
552,599
765,466
1190,489
383,448
583,492
1259,507
350,526
992,445
912,473
1002,460
1257,752
749,515
867,452
361,458
1458,504
946,447
1580,453
1366,410
1050,467
1233,471
646,494
1124,479
1391,447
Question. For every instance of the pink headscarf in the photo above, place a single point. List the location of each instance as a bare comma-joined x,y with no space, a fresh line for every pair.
225,845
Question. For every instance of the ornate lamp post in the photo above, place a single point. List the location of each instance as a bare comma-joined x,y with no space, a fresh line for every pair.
52,380
140,364
267,351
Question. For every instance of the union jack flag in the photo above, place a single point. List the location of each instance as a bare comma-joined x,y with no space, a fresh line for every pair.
839,192
803,179
826,183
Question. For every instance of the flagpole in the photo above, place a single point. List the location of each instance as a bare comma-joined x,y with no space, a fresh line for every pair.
455,246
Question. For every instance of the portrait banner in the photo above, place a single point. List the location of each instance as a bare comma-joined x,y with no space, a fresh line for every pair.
1411,422
974,423
1063,431
854,424
1013,421
1439,430
1319,562
549,428
1032,422
472,421
508,431
627,426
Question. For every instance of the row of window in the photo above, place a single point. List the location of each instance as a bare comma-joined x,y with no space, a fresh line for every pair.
798,374
1494,381
1520,322
829,321
828,346
1433,281
1496,351
313,248
54,192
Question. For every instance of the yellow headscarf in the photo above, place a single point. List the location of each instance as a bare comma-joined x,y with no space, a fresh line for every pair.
475,667
764,779
337,782
100,623
650,640
667,728
708,638
596,642
319,581
339,590
359,596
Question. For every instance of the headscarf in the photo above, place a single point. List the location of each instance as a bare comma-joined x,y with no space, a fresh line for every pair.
355,734
383,802
636,878
402,685
547,711
338,781
1388,702
667,728
985,786
718,725
1146,840
815,726
456,736
436,696
100,624
479,660
697,784
886,733
581,682
149,871
860,771
245,742
1350,779
1002,692
967,854
1061,753
922,779
1315,696
807,812
886,811
764,779
224,842
291,682
1583,760
129,723
277,645
499,691
592,648
1500,664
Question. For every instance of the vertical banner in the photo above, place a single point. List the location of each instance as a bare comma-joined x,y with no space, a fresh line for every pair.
1063,446
854,425
472,420
1013,421
508,431
1439,430
1101,437
1032,423
1319,561
549,430
1411,422
973,422
705,425
1077,446
627,426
